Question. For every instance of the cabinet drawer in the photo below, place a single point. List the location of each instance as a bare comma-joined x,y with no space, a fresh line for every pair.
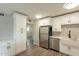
74,51
3,50
65,49
69,49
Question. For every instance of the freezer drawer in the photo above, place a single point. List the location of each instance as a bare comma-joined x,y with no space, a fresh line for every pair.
54,44
44,44
44,40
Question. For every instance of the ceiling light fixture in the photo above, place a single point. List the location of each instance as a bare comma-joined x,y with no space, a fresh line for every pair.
38,16
70,5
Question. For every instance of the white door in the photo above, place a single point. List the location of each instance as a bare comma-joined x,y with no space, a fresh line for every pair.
20,32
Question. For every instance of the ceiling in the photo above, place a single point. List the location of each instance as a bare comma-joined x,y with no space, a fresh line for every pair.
32,9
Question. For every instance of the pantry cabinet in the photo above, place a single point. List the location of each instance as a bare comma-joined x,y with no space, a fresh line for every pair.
17,44
19,35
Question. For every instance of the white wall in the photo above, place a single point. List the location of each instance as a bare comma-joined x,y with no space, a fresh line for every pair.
6,27
37,24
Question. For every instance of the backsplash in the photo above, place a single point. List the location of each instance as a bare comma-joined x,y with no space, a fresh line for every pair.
56,33
74,28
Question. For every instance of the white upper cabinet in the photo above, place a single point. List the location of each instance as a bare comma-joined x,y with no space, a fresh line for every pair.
56,24
66,19
74,17
71,18
44,22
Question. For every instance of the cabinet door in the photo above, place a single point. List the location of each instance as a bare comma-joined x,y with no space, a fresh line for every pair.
44,22
56,23
20,32
74,17
11,48
3,50
71,18
64,48
74,51
66,20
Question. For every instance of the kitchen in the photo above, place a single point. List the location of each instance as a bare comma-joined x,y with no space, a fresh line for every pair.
60,30
57,33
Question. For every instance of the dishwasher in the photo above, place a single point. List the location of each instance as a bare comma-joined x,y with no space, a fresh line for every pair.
54,43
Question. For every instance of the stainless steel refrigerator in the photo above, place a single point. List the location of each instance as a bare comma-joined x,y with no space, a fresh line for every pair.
44,36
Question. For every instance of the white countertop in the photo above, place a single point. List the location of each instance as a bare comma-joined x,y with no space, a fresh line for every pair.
58,37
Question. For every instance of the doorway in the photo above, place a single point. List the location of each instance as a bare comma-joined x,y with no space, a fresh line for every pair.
29,35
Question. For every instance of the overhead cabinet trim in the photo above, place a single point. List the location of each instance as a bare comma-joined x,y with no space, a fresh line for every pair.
65,14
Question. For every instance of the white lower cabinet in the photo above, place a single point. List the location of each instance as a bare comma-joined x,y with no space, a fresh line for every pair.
11,49
74,51
3,50
68,49
64,49
7,48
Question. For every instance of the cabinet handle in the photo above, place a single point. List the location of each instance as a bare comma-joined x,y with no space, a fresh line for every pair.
8,47
69,47
55,28
8,43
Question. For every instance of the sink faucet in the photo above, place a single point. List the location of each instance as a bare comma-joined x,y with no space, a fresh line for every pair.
69,35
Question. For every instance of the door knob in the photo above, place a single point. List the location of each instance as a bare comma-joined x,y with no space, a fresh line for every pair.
8,47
